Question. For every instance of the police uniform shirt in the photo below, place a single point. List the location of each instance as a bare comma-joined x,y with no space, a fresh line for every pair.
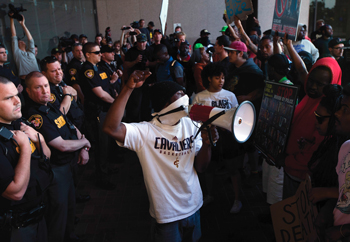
90,77
72,71
8,73
39,178
51,123
109,69
74,114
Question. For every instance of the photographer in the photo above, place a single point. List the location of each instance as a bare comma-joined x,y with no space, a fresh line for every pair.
24,58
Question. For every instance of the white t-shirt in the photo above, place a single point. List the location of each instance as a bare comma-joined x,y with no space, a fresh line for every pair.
305,45
342,209
166,154
223,99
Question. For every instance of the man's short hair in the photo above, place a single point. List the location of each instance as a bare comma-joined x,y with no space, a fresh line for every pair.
88,47
47,60
4,80
178,27
257,29
320,20
1,46
324,27
267,32
75,45
99,35
141,20
223,40
180,34
30,76
269,37
210,70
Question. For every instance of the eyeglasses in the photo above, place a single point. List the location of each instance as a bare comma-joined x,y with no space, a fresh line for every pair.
339,48
96,52
320,118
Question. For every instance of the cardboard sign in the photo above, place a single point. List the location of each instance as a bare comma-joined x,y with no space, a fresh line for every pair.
164,14
286,18
274,119
293,218
241,8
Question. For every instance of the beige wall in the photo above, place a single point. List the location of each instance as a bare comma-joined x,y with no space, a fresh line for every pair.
194,15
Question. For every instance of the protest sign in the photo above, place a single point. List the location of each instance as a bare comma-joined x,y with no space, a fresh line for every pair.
274,119
293,218
241,8
164,14
286,18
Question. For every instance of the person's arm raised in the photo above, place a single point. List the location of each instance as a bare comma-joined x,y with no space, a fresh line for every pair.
112,125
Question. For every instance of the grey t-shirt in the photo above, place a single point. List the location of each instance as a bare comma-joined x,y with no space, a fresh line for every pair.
25,60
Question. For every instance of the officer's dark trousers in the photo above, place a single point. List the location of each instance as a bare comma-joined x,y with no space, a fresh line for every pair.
61,204
32,233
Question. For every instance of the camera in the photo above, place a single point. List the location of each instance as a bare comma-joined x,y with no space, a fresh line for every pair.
16,12
132,33
125,28
66,42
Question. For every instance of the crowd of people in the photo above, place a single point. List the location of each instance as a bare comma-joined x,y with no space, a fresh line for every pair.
107,96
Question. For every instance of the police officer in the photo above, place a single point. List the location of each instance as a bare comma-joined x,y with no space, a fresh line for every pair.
108,65
73,68
25,172
62,96
67,145
99,95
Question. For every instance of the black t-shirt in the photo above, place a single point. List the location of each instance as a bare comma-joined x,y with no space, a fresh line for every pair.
72,70
39,177
132,55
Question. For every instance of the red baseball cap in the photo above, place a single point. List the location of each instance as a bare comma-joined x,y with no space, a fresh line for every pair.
238,46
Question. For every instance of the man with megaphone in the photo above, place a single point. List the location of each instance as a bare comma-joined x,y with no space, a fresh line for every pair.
170,156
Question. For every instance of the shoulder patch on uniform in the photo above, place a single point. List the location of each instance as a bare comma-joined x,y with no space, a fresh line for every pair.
52,98
103,75
89,73
36,120
73,71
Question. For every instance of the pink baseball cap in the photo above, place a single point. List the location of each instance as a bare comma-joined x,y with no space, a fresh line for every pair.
238,46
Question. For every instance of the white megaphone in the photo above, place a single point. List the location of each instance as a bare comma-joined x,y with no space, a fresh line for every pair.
239,121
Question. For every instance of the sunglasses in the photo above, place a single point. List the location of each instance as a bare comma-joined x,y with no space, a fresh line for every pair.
96,52
320,118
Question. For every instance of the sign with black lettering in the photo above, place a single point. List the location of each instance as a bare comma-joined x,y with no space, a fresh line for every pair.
286,18
293,218
241,8
275,118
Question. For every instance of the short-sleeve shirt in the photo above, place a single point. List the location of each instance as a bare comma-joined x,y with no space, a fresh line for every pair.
132,54
164,71
166,154
72,71
222,99
90,77
51,123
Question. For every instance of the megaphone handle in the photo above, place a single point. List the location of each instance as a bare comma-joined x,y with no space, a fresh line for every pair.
210,137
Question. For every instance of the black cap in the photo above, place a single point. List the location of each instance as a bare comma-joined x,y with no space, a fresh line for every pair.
157,30
82,36
55,51
151,23
141,38
161,92
106,48
280,63
204,31
334,42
